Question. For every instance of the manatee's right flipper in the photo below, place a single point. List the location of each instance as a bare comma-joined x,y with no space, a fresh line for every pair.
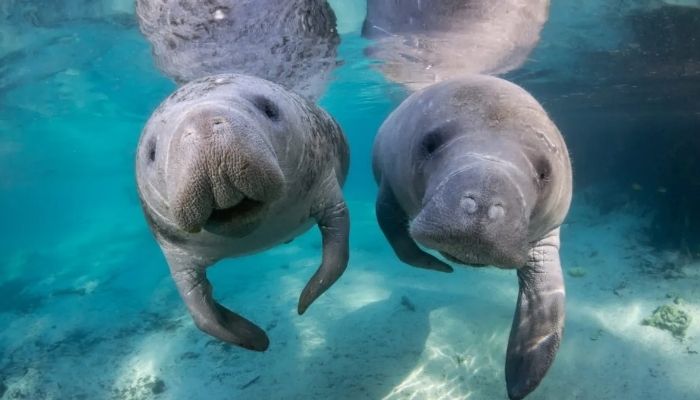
210,316
394,223
539,318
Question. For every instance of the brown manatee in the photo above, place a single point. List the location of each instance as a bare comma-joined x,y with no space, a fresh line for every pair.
474,168
231,165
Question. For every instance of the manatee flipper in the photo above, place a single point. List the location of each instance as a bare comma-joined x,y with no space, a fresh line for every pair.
394,224
334,222
210,316
539,318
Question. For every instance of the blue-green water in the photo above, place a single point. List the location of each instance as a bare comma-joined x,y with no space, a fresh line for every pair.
88,310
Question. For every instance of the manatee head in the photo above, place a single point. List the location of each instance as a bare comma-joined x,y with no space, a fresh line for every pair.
488,184
477,206
212,158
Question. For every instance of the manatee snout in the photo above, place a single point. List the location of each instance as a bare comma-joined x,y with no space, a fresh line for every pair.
222,172
478,216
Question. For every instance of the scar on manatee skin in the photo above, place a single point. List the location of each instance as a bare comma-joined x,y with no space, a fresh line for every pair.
552,147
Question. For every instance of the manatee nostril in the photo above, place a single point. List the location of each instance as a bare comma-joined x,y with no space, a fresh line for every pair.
217,121
469,204
496,212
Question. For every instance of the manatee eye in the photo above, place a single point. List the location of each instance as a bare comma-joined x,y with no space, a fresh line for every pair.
152,150
267,107
433,140
543,169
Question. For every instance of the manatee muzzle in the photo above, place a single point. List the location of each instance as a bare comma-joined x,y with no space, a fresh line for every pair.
222,173
476,216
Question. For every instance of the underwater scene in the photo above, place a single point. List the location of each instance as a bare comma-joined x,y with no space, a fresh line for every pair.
144,142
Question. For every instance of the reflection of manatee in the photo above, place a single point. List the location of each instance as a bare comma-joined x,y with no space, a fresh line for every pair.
423,42
474,168
231,165
291,43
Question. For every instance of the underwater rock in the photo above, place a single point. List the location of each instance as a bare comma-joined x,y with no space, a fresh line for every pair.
669,318
143,388
291,43
157,386
3,389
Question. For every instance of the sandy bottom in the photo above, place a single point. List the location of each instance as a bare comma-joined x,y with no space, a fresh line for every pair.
98,318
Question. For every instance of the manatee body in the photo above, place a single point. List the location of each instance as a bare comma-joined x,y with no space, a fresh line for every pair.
231,165
474,168
292,43
423,42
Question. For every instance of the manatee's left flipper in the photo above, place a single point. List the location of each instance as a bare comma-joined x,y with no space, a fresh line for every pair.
539,318
334,222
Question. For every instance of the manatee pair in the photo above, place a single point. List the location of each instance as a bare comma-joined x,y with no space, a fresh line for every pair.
471,167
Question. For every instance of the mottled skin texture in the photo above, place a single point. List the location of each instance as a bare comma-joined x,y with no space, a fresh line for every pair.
292,43
231,165
474,168
422,42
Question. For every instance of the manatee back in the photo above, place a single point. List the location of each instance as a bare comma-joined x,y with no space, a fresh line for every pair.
292,43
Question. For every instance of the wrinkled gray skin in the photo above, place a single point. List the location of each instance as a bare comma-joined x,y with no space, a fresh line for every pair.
422,42
474,168
292,42
231,165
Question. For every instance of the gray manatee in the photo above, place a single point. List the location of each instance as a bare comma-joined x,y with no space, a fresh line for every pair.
292,43
474,168
231,165
422,42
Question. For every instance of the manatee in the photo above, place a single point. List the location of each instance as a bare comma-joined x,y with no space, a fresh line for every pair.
292,43
474,168
423,42
230,165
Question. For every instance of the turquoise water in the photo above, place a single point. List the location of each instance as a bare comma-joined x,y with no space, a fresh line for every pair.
88,310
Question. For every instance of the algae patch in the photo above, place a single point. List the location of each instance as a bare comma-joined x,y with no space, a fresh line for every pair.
669,318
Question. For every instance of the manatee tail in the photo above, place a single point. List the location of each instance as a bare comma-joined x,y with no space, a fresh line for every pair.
538,323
